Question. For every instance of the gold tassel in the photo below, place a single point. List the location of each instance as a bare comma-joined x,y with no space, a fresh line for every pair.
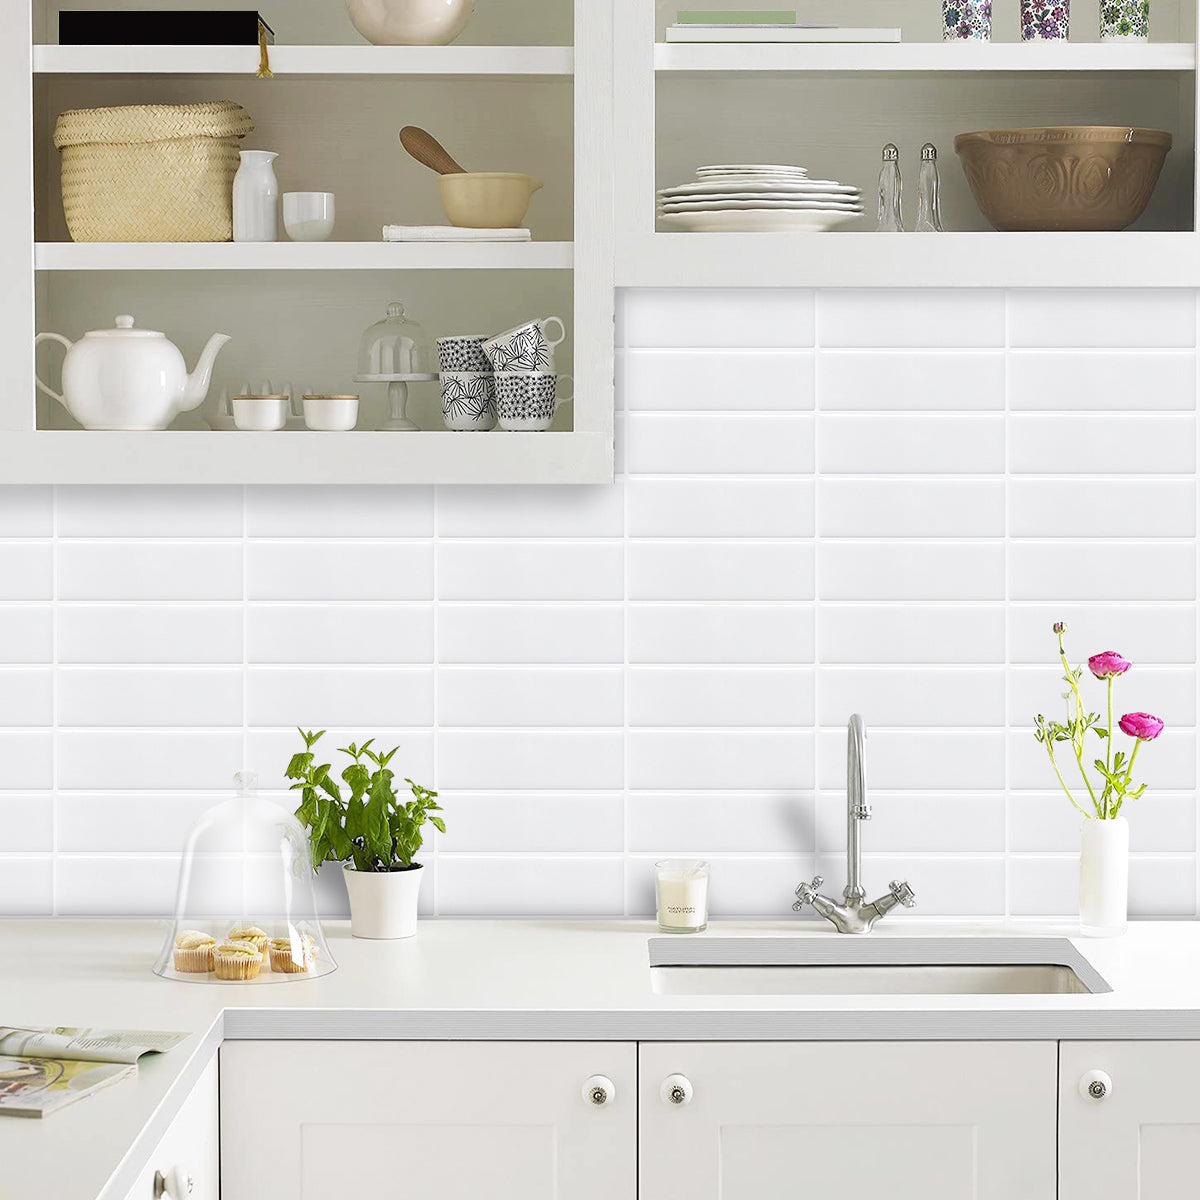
264,61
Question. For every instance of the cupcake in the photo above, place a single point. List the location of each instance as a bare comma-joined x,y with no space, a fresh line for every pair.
237,960
251,933
292,956
194,952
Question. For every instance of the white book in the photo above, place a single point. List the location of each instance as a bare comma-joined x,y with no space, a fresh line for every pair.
777,33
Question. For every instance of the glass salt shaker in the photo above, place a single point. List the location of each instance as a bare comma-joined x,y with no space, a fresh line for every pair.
929,192
890,188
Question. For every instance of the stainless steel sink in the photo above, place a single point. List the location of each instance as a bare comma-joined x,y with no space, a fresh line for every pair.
893,967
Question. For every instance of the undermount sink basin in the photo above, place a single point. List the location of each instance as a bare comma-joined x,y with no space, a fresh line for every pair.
891,967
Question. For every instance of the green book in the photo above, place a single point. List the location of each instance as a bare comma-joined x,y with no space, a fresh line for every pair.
729,16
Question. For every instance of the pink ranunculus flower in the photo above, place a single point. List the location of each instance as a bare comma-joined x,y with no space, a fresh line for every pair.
1108,663
1142,726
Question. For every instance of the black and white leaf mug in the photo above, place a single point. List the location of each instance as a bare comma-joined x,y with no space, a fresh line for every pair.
468,401
463,352
528,347
527,400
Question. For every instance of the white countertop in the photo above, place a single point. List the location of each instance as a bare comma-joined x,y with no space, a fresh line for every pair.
501,980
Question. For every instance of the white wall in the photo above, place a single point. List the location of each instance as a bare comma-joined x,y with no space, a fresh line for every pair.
871,501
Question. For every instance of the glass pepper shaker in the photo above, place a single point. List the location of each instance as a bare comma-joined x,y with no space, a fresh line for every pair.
929,192
890,188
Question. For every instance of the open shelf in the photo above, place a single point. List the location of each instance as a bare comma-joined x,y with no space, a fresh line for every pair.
303,256
305,60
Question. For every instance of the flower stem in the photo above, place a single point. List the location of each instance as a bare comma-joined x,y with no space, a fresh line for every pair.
1063,782
1108,747
1076,733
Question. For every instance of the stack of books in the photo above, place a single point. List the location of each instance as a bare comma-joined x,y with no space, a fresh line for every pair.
763,25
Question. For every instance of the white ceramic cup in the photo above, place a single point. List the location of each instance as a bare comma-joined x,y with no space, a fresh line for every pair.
463,352
528,347
330,414
308,216
260,413
527,400
469,401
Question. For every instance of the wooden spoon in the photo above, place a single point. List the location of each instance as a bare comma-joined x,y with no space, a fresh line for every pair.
428,151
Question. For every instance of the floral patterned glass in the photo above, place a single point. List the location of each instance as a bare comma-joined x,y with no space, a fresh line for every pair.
1124,20
966,19
1042,21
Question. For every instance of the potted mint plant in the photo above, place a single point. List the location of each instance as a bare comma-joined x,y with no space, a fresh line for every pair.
1105,784
370,830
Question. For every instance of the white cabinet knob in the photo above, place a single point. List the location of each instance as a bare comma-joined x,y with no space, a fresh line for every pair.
599,1090
177,1184
1095,1085
676,1089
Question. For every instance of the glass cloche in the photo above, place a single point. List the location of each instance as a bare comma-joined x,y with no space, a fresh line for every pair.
246,909
395,348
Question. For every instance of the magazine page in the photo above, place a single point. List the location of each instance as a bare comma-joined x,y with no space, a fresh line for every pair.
86,1044
33,1087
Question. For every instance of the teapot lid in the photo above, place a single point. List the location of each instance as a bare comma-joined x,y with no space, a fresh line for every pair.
123,329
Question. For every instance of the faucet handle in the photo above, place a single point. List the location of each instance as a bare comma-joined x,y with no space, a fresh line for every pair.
806,892
903,893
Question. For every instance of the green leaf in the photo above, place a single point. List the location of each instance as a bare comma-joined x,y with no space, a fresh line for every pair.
299,766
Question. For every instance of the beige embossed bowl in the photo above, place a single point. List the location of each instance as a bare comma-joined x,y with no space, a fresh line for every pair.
1071,177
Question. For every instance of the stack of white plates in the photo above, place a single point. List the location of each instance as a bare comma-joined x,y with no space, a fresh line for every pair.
758,198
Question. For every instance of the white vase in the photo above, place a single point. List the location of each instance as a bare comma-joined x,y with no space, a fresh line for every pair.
410,22
256,198
383,904
1104,877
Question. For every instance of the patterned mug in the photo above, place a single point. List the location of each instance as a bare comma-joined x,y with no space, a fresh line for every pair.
1045,20
1124,20
964,20
468,401
463,352
528,347
526,400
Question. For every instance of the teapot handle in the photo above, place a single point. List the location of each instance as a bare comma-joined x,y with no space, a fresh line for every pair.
52,337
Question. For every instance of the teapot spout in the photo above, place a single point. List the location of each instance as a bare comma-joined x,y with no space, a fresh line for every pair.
198,381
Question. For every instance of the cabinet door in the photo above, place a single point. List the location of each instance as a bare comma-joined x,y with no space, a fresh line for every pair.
451,1120
1142,1137
902,1120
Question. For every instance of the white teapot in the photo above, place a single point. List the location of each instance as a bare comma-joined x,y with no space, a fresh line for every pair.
126,378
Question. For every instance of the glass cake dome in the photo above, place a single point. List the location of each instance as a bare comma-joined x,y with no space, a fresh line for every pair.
246,908
396,348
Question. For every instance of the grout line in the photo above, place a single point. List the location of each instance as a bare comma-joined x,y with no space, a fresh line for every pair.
435,750
55,689
626,673
1008,569
818,423
1196,605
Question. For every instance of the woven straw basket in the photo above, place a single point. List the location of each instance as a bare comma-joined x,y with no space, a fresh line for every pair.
150,172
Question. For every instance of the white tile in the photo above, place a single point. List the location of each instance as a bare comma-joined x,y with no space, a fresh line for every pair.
702,443
663,633
715,318
1162,822
720,570
26,571
113,570
330,633
1138,382
26,824
28,759
530,571
1043,887
911,697
544,760
512,633
911,317
128,822
27,634
144,633
507,823
723,697
912,508
945,887
549,697
1105,318
720,508
538,511
303,570
895,634
26,511
905,381
911,571
738,887
1102,508
317,697
1168,691
91,696
27,887
26,696
116,759
530,887
1145,633
268,752
667,823
1168,763
118,887
919,760
1101,443
756,760
1076,571
924,823
916,443
732,381
1162,887
339,512
137,510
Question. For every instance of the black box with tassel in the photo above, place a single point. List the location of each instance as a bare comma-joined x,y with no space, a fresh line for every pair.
246,27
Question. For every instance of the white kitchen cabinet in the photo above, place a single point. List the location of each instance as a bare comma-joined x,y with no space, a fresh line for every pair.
902,1120
189,1151
451,1120
1139,1134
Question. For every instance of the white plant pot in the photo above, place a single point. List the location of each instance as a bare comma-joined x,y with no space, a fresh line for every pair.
383,904
1104,877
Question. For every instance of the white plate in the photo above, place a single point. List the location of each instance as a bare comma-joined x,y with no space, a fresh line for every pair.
837,205
750,169
758,221
752,185
765,197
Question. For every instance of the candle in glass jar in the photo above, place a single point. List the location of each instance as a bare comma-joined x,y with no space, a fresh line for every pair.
682,895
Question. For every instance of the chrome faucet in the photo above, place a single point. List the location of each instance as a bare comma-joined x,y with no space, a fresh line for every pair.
852,915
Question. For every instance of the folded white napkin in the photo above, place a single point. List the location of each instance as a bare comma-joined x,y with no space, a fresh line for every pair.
452,233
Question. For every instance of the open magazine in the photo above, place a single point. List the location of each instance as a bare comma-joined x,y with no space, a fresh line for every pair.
41,1070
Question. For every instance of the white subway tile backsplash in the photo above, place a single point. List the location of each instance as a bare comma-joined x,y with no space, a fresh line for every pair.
162,570
127,822
911,571
1167,764
316,697
331,570
916,443
332,633
662,633
530,887
661,380
669,823
916,697
27,888
147,633
1162,887
339,512
26,571
138,511
26,697
1102,444
26,511
531,633
180,697
28,759
533,760
720,697
500,697
717,508
911,381
117,759
26,634
922,760
131,886
702,443
717,318
1043,886
756,760
1081,571
912,508
1144,633
516,822
1168,691
1104,318
720,570
913,823
1102,508
910,317
945,887
1046,822
26,823
268,752
1141,382
530,512
891,633
530,571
